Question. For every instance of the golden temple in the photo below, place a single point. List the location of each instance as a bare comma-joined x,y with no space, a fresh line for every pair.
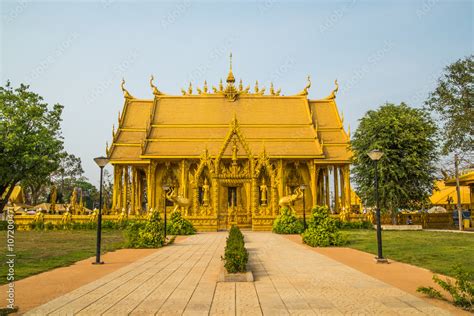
229,154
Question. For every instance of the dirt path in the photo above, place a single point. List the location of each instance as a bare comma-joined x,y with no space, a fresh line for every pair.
42,288
401,275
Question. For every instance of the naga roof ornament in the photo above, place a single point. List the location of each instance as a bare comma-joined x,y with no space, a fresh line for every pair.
305,90
333,92
126,94
153,87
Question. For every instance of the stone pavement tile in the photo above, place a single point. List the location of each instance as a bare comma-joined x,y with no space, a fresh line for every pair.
223,303
246,299
290,295
177,301
69,297
270,301
123,299
201,299
152,303
89,298
327,286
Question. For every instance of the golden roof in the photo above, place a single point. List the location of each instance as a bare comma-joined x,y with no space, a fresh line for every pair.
182,126
442,193
466,177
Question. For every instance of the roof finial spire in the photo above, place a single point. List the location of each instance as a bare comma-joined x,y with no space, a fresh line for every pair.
230,76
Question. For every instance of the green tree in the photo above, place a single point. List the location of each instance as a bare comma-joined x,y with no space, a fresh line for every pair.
453,102
30,137
66,175
89,193
406,136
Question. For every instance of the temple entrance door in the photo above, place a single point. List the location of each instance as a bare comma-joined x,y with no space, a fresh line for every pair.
228,209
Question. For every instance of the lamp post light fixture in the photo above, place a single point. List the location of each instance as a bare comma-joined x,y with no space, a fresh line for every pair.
375,155
165,188
101,162
303,188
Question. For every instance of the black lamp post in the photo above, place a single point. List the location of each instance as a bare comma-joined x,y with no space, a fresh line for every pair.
101,162
303,188
375,155
165,188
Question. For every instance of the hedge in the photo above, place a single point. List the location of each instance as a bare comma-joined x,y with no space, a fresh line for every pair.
235,255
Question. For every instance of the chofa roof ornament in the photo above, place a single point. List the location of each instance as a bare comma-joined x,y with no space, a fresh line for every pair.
126,94
304,92
332,96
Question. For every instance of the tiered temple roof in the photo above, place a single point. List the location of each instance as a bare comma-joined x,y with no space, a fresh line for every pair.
180,126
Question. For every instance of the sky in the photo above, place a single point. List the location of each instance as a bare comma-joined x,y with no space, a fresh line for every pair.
76,52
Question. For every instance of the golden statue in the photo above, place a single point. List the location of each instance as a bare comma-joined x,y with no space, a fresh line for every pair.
39,216
123,216
179,201
234,152
73,200
93,215
263,192
67,217
287,200
54,196
205,193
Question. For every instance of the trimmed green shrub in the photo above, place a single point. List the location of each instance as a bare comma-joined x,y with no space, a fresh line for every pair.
178,225
461,291
146,234
77,225
235,255
322,230
354,225
287,223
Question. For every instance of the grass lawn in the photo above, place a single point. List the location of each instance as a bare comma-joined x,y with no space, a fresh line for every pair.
39,251
436,251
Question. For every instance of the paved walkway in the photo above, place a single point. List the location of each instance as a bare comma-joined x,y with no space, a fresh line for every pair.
181,279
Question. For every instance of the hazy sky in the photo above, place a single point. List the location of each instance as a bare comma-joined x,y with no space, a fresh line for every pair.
75,53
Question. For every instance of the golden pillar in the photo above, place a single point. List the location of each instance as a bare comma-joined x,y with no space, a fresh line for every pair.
126,184
254,196
313,169
281,184
336,190
133,190
116,199
151,185
326,186
347,187
274,194
139,191
215,196
343,193
183,178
